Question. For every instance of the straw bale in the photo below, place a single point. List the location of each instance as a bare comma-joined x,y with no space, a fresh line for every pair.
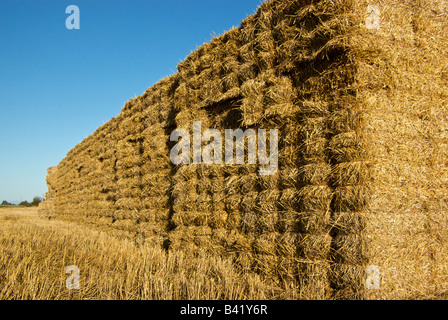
314,173
351,173
314,246
315,198
351,249
349,222
351,198
313,277
348,281
267,200
266,265
266,243
288,177
267,222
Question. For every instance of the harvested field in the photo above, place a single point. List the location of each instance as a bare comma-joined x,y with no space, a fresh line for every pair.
112,266
362,172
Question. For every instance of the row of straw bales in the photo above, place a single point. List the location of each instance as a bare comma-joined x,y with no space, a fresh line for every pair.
362,172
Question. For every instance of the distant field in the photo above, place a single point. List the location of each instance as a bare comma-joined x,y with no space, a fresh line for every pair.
35,252
10,206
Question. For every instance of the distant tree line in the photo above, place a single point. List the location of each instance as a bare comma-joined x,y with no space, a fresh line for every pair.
34,203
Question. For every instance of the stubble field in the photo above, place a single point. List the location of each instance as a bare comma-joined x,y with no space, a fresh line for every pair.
35,252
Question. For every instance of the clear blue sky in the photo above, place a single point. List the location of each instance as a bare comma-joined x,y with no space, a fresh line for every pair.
57,86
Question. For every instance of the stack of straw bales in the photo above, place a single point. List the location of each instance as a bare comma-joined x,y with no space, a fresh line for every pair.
362,175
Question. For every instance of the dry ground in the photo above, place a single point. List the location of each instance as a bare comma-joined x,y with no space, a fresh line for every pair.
35,251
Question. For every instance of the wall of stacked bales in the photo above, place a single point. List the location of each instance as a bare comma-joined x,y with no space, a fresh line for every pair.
362,172
119,177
